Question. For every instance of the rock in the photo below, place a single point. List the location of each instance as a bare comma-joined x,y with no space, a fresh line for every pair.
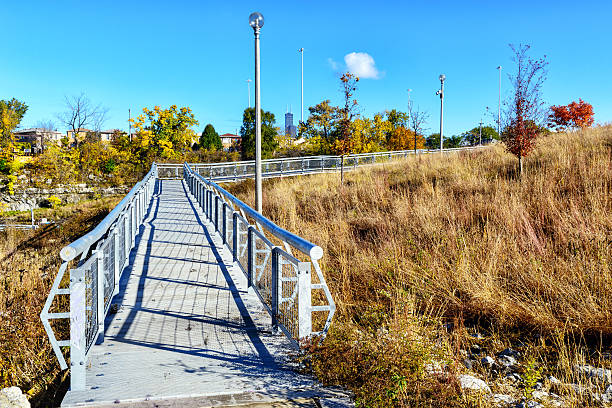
507,361
528,404
540,395
510,353
554,380
601,376
487,361
513,377
502,399
434,368
467,363
12,397
469,382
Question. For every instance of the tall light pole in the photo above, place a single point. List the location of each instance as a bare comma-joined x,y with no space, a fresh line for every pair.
256,21
130,124
248,81
480,133
301,51
441,93
499,68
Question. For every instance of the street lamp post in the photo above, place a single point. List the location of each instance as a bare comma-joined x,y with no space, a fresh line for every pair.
480,133
256,21
248,81
441,93
301,51
499,68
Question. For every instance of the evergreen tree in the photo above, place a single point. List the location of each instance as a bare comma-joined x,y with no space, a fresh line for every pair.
210,139
247,133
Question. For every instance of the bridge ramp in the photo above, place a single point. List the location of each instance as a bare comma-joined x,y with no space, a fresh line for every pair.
187,328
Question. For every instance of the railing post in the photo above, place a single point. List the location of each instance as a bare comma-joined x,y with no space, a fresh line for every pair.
126,246
100,269
251,255
116,260
77,329
302,166
217,212
235,235
224,223
176,172
304,300
276,282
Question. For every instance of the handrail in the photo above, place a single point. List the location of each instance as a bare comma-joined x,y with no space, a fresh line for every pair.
346,157
74,249
313,251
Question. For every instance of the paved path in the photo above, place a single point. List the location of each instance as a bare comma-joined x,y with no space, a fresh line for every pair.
188,333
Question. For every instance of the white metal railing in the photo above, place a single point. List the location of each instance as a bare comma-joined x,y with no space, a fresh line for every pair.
283,281
104,254
293,166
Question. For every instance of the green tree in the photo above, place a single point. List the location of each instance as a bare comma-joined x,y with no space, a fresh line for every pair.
433,141
321,127
472,136
247,133
210,139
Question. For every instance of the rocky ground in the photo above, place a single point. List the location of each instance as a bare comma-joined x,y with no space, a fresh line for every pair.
12,397
506,379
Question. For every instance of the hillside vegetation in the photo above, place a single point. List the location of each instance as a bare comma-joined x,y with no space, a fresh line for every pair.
421,253
29,261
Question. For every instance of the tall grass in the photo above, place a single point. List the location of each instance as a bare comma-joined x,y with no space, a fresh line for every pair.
464,239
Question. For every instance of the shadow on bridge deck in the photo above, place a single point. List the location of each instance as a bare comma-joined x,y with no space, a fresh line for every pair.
187,327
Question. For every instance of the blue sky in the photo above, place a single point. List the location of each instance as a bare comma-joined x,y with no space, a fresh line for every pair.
132,54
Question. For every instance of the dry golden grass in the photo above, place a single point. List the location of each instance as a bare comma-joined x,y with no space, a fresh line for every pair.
464,239
29,262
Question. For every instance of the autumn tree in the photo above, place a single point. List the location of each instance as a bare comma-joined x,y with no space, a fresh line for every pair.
210,139
572,116
346,114
11,113
524,111
162,134
321,127
247,134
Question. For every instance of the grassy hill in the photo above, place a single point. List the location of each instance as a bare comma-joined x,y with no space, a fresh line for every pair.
423,253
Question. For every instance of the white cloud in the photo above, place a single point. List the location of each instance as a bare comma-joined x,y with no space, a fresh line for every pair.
361,64
333,64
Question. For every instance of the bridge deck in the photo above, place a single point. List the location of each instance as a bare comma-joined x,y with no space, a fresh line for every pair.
187,328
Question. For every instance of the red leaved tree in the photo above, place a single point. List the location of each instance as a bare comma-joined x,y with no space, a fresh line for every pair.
524,112
573,116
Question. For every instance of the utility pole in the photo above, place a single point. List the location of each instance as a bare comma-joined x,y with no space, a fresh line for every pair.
130,124
499,68
248,81
480,133
301,51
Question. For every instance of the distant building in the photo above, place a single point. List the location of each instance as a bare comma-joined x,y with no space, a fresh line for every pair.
230,141
290,129
38,138
81,133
